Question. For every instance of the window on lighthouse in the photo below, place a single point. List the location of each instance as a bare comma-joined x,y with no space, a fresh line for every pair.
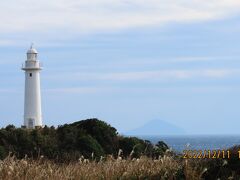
31,56
30,74
34,56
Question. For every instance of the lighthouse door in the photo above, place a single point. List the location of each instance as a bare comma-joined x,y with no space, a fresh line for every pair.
30,123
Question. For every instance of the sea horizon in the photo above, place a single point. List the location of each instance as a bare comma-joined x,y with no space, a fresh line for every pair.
179,143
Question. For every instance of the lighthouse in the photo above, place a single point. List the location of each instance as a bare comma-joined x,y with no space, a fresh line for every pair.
32,98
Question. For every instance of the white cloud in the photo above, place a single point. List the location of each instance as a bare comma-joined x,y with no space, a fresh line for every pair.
203,58
81,90
4,90
6,42
168,75
78,16
220,73
161,75
110,89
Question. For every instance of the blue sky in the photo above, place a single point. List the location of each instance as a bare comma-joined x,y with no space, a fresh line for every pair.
126,62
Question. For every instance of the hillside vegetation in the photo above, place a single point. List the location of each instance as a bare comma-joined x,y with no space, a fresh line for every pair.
68,142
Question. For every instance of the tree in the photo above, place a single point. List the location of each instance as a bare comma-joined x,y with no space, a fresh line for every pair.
102,132
3,153
132,144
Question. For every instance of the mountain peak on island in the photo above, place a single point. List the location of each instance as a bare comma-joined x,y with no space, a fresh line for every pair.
157,127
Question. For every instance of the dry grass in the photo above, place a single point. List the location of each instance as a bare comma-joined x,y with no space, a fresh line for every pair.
165,167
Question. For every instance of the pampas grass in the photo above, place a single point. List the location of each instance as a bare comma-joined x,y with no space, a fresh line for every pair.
164,167
110,168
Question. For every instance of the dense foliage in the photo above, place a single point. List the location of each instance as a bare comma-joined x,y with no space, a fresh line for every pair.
88,138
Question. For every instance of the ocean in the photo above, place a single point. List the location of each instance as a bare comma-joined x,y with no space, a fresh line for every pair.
196,142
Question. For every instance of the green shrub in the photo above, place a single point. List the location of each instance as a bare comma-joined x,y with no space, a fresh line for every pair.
3,153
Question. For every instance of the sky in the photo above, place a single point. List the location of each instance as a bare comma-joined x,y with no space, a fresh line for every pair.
126,62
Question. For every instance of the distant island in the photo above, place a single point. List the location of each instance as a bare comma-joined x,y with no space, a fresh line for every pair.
157,127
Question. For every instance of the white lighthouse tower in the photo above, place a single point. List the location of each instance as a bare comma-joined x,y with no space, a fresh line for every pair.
32,99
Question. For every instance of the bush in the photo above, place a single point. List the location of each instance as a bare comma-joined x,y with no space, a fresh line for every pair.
129,144
3,153
101,131
88,145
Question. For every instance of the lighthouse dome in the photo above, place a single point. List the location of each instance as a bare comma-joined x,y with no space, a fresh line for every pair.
32,51
32,54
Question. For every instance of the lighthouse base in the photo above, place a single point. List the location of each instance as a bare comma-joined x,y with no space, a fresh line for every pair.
36,127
